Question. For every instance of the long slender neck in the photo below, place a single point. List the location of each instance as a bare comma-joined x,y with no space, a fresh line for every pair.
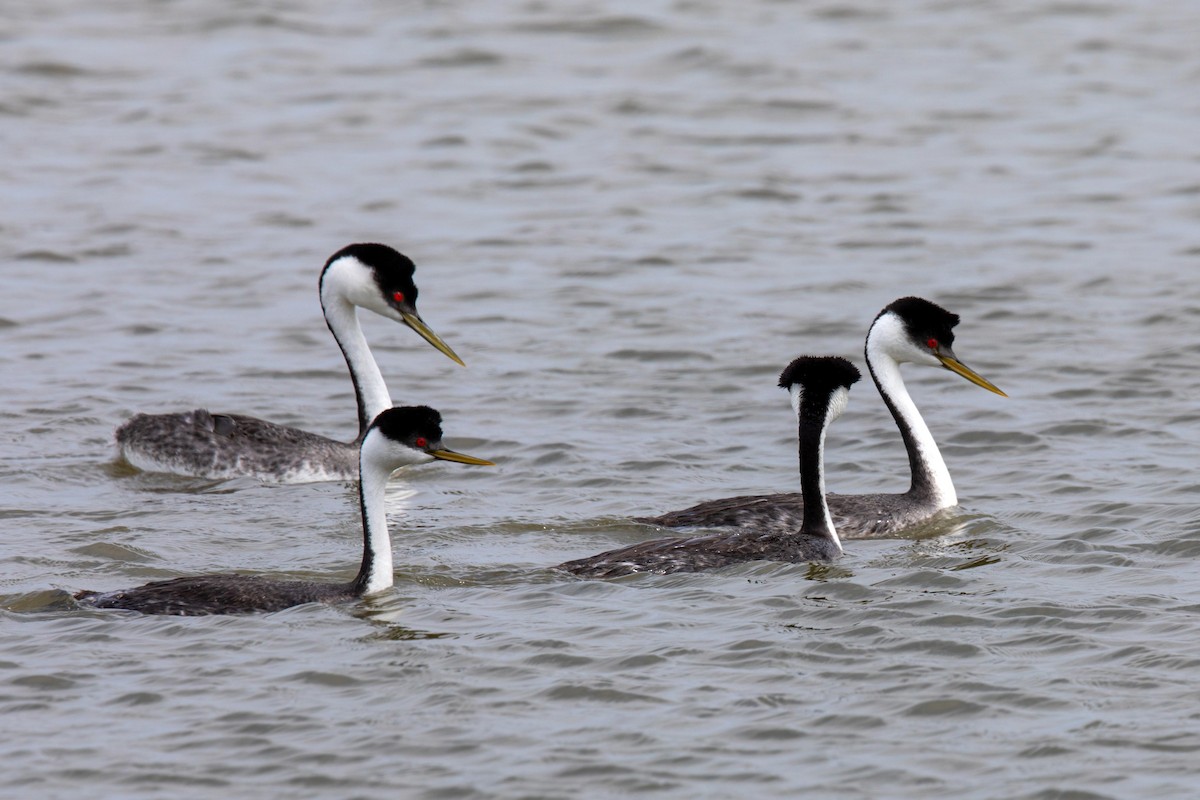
375,574
370,391
930,478
816,521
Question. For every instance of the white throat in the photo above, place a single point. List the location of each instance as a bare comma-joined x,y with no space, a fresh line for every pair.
376,538
348,284
888,341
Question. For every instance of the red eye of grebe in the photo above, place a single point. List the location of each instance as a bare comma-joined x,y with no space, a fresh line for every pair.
398,297
421,440
932,344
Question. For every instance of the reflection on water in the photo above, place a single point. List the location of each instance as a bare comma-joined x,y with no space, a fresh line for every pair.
385,630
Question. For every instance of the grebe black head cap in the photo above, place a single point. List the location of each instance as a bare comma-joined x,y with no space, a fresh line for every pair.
820,373
408,424
924,320
929,328
420,427
392,274
392,271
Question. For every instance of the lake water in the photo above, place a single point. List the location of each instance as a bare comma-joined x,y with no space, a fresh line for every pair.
627,217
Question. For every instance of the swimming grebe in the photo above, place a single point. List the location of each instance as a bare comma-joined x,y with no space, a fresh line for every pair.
209,445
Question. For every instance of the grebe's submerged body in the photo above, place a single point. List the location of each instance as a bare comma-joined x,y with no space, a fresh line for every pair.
210,445
199,595
819,387
910,329
398,437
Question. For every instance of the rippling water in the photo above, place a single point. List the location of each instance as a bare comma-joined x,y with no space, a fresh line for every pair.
627,218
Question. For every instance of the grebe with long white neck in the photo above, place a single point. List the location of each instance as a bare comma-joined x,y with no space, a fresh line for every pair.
209,445
911,330
819,387
397,438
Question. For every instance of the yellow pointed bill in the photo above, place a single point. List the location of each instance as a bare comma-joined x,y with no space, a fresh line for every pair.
418,325
959,368
461,458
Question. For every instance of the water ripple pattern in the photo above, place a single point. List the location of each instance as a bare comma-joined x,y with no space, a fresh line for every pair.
627,218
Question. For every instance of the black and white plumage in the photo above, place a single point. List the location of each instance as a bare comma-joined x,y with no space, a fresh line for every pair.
911,330
819,388
398,437
209,445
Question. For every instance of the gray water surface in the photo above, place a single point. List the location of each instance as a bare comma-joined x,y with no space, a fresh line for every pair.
627,218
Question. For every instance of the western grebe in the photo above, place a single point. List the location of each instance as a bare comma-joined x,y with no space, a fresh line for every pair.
819,388
910,329
398,437
200,443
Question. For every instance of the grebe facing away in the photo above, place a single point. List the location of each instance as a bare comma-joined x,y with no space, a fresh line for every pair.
908,330
398,437
819,387
208,445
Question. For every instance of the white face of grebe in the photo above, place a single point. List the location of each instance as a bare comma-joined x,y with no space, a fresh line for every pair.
893,339
922,341
379,279
405,436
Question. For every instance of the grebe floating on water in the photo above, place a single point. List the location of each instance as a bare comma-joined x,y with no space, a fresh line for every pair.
208,445
397,438
910,329
819,387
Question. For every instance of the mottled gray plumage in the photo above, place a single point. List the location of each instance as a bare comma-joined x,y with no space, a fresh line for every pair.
230,445
819,385
857,516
